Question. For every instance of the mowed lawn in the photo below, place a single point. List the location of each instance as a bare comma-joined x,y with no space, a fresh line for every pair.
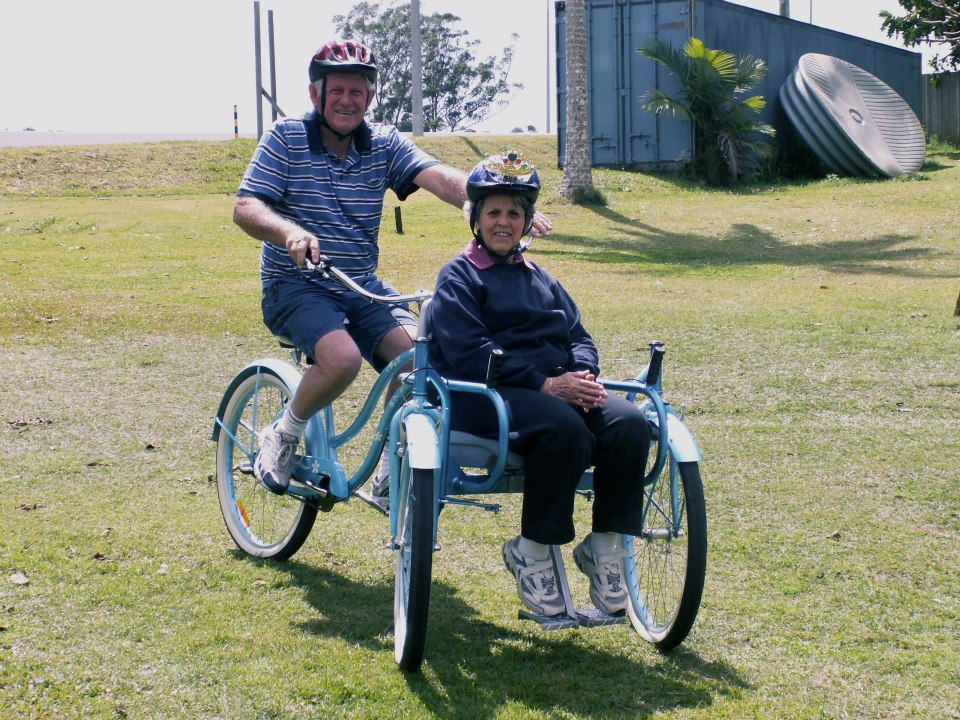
811,338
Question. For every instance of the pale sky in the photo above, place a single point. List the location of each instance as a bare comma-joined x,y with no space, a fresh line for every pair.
181,65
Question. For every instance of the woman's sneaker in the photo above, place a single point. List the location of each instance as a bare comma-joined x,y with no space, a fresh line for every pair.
608,590
536,581
274,464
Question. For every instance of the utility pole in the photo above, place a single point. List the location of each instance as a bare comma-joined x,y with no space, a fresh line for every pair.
548,66
416,67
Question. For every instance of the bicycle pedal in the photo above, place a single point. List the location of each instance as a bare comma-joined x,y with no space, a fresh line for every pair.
595,617
550,622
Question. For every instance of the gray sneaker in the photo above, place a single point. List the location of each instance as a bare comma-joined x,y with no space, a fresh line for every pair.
380,491
536,582
274,463
608,590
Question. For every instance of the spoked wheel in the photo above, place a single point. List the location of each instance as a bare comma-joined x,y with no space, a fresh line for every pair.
411,598
261,523
665,567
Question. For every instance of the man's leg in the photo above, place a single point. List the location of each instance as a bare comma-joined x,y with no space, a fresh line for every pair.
336,363
394,343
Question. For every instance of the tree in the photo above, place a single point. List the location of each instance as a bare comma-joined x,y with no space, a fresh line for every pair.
727,130
577,182
459,90
930,22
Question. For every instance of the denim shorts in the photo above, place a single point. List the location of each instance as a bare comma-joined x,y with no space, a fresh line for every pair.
305,311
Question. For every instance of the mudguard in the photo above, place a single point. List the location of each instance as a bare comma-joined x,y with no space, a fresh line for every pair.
422,442
683,447
278,368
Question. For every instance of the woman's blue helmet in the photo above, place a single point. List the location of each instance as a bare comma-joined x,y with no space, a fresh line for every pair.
504,174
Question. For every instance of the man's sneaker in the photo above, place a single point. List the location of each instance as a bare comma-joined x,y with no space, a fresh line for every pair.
536,582
380,491
608,590
274,463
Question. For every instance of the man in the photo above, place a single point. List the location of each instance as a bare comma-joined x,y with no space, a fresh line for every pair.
315,186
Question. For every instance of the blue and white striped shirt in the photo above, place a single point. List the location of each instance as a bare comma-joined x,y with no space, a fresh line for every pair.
338,201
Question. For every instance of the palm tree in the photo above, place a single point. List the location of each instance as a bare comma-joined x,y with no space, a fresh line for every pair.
727,130
577,183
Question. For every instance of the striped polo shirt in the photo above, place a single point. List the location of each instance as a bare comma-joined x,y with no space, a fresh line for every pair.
338,201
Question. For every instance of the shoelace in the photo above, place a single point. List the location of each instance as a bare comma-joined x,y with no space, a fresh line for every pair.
545,585
609,566
287,448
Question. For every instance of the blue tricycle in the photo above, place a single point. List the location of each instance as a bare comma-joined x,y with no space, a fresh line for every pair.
432,467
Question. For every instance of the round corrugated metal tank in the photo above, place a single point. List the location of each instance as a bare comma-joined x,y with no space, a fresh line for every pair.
854,122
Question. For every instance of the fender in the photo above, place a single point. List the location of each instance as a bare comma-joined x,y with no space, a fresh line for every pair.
682,446
422,442
278,368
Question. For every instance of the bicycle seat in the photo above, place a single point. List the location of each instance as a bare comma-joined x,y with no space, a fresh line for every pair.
479,452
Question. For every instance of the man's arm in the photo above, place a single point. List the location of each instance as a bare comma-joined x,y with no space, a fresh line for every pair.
260,222
447,183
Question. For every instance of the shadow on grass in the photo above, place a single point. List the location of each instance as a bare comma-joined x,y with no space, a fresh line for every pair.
744,245
475,669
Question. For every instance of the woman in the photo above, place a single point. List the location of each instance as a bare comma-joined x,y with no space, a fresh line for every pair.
561,420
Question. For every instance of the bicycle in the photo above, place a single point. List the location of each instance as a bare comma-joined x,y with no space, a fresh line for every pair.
432,467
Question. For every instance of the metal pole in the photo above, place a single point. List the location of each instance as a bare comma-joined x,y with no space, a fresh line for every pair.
273,67
258,74
785,8
416,67
548,66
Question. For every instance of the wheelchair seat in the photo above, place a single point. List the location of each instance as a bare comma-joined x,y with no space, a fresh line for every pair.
478,452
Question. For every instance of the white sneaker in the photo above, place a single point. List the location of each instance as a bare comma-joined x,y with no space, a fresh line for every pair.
608,591
274,464
536,582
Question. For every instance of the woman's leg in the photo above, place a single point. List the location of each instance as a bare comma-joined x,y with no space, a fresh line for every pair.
620,457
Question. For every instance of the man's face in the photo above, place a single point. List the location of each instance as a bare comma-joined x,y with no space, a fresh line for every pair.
347,100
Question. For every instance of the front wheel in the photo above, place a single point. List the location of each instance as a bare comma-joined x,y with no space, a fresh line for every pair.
665,566
261,524
414,546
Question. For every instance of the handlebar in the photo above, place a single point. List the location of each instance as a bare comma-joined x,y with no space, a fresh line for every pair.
327,271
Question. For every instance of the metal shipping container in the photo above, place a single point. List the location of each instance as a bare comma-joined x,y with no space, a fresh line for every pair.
623,135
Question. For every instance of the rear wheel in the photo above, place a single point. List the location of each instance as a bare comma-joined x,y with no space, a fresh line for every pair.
411,604
261,523
666,566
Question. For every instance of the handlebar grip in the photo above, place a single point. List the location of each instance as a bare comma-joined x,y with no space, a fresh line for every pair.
493,367
657,352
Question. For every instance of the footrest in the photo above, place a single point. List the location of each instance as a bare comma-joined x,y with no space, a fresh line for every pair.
585,618
594,617
550,622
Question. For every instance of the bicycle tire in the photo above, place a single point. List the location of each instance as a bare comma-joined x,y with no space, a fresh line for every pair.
666,569
414,565
261,523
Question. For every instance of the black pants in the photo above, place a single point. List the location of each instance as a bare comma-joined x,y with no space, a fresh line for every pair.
558,443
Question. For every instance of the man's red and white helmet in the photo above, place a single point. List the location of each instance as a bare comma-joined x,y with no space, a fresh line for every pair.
343,56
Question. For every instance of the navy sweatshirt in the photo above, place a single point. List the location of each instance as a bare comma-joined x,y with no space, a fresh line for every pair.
518,308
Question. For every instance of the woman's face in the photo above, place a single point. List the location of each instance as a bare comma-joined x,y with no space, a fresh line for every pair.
501,223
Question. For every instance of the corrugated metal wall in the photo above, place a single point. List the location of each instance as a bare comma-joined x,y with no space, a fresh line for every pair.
624,135
940,105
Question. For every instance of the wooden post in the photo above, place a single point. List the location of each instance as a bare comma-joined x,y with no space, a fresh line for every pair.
398,220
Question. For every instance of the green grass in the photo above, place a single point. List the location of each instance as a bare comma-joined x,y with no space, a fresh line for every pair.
810,335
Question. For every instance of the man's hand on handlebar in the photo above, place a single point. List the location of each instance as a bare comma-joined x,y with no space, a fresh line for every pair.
303,245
